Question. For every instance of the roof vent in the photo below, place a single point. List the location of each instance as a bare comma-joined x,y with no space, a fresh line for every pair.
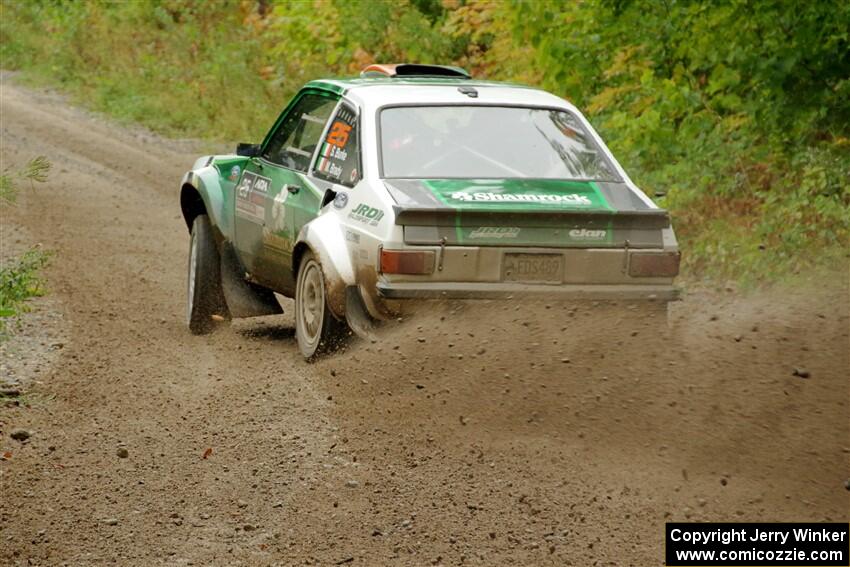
413,70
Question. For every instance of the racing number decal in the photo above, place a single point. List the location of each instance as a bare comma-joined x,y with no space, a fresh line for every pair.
338,136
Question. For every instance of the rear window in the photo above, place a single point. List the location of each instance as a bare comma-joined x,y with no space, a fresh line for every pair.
481,142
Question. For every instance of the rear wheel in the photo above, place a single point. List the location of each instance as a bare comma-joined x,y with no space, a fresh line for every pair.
316,329
205,304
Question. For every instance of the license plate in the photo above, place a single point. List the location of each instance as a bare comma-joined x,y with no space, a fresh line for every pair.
533,268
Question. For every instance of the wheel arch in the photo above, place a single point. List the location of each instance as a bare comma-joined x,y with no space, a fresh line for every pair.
324,238
201,193
191,204
297,254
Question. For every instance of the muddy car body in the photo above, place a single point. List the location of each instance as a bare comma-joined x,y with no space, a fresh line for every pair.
416,182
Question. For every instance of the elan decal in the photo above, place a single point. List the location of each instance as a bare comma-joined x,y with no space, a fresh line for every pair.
588,234
366,214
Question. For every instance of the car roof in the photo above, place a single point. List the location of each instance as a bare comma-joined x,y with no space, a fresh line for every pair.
374,92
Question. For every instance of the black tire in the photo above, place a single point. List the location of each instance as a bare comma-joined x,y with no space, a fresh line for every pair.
316,329
205,304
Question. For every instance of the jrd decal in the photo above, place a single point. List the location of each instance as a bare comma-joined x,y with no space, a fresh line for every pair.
366,214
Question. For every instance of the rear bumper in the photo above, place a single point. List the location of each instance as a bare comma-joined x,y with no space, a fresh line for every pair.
465,290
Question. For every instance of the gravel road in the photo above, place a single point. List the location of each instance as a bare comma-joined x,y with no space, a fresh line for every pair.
492,434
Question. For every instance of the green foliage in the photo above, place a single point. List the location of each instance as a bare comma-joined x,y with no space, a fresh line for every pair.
35,171
19,277
19,281
736,111
178,66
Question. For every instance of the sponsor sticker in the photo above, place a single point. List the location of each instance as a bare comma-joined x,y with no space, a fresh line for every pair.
487,197
234,173
279,211
518,194
588,234
497,232
251,197
366,214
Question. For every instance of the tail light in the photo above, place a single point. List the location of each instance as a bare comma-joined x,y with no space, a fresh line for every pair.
407,262
654,264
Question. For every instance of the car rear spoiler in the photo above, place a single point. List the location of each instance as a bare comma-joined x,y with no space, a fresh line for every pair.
444,216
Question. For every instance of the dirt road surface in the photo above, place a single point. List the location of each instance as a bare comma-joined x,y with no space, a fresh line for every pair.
499,434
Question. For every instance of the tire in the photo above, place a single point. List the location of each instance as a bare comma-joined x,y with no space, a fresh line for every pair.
205,304
316,329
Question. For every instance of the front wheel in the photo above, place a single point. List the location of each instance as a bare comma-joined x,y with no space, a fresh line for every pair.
316,329
205,303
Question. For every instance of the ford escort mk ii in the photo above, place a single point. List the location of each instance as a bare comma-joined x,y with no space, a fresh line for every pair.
417,182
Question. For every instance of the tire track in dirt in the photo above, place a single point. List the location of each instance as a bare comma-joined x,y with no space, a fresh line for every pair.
408,451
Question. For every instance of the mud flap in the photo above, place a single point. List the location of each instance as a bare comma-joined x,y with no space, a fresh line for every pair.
357,316
243,298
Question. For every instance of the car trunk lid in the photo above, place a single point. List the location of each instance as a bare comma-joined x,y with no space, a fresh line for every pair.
525,212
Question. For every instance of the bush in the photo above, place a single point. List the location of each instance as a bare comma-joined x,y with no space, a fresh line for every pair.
19,277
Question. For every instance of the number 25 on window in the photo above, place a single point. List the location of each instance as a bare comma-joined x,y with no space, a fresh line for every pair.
338,136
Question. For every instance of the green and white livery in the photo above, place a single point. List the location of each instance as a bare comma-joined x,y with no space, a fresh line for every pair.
416,182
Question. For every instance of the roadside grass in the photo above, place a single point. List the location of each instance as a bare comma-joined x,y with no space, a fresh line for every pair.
196,76
20,276
21,280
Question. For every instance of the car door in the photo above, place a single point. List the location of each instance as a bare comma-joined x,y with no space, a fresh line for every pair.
272,187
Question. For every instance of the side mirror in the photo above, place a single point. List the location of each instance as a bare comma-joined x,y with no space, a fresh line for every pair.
247,150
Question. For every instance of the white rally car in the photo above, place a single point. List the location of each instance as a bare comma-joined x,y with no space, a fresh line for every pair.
417,182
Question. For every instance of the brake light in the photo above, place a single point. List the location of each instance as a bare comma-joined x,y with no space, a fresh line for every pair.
407,262
654,264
